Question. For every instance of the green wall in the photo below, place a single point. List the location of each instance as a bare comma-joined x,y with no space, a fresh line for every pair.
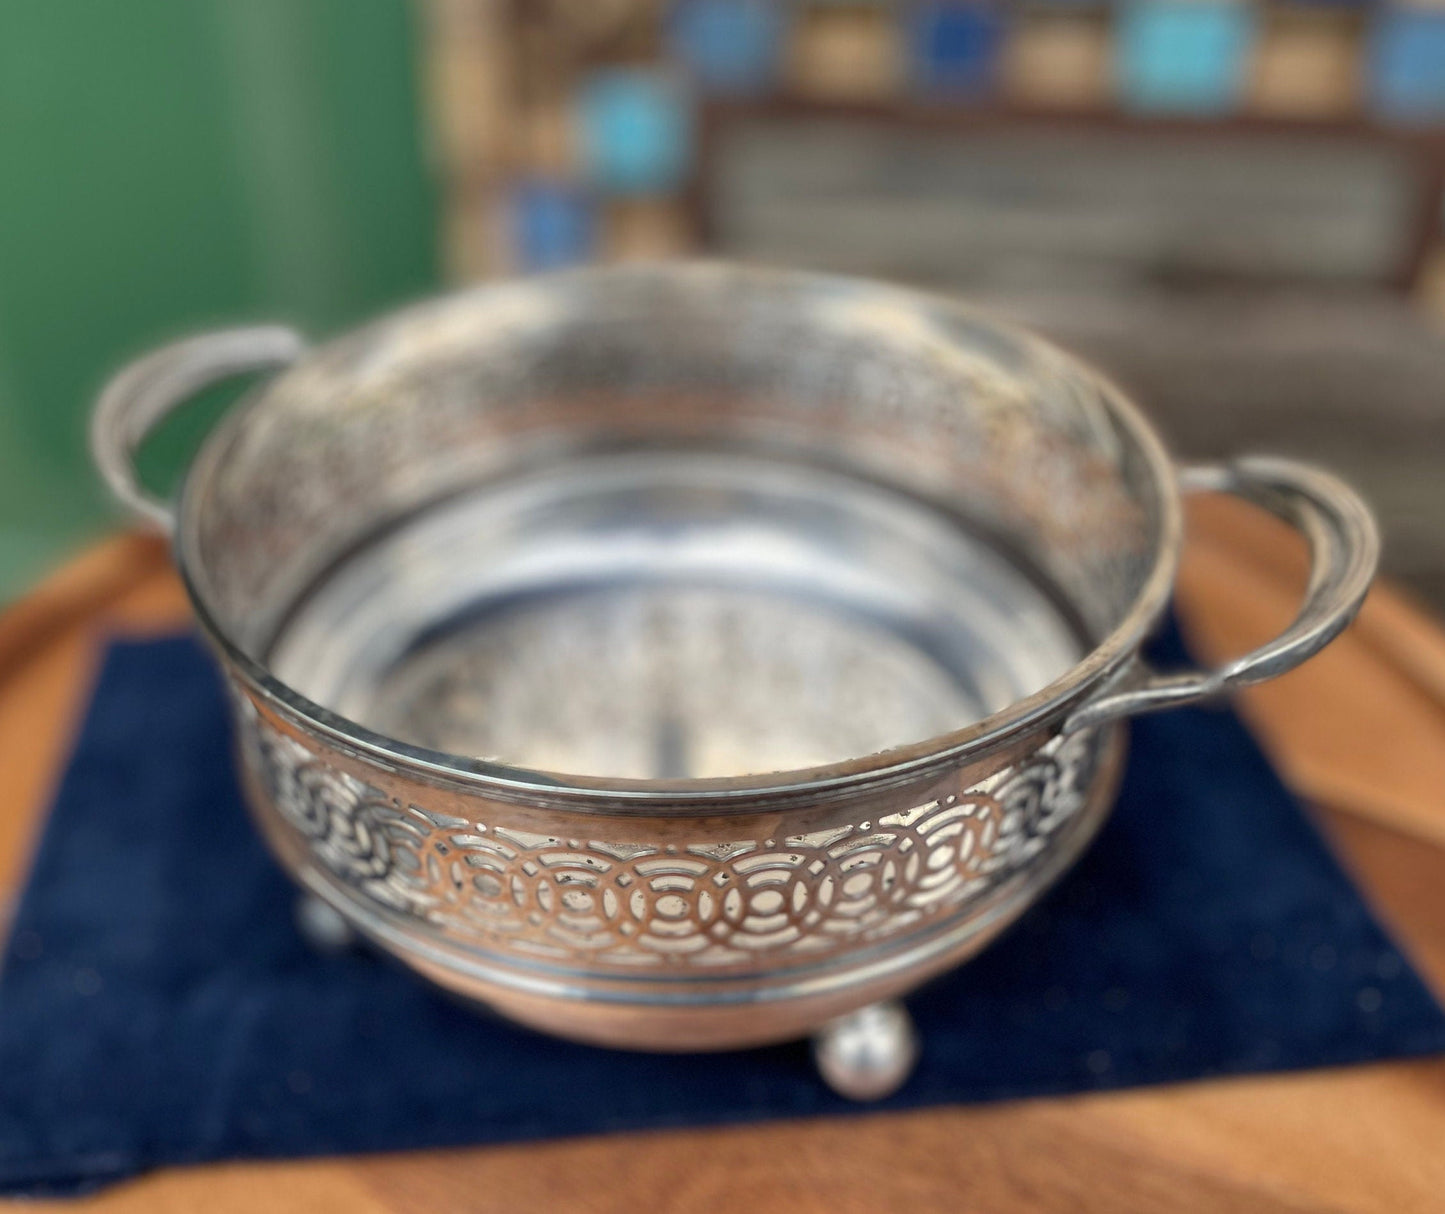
166,165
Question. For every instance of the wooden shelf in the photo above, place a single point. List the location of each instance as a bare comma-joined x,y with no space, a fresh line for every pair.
1423,146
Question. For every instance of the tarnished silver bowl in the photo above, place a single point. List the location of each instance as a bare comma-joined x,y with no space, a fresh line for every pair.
690,656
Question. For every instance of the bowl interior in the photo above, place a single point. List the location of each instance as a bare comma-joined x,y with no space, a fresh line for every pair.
677,523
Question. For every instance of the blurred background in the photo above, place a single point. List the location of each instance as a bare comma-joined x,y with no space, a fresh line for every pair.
1233,206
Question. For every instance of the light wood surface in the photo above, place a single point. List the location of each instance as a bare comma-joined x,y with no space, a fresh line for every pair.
1360,732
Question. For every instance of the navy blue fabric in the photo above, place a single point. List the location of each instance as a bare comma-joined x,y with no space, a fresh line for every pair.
157,1006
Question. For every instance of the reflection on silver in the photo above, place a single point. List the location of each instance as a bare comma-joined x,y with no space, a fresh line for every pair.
867,1054
322,926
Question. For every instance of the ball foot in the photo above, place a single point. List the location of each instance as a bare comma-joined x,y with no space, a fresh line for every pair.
322,927
867,1054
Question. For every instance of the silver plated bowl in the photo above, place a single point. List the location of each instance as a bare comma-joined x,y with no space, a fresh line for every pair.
688,657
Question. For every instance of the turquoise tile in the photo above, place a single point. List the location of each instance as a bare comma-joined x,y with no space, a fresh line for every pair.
636,126
1184,56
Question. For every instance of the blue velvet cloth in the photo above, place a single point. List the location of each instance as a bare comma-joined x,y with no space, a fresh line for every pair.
157,1005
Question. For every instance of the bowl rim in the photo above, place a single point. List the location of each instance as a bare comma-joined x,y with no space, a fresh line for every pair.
1047,706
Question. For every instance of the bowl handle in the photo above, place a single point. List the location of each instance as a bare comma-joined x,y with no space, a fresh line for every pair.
1344,550
145,391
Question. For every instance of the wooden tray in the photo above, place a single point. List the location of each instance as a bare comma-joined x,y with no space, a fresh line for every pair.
1359,732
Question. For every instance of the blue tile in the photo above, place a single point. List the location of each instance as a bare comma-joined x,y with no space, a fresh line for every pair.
730,46
954,47
1407,65
551,224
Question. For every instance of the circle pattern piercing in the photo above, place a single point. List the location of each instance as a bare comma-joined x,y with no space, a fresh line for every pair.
641,903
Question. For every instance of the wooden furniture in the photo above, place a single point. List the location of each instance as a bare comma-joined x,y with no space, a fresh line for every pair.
1419,149
1360,732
